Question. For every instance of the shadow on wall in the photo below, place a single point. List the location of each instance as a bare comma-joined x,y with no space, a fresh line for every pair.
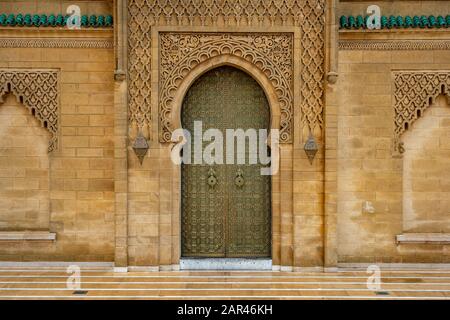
24,169
426,172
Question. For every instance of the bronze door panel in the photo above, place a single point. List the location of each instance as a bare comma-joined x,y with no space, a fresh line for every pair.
226,209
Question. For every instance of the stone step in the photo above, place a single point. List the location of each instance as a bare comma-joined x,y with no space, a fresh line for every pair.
224,285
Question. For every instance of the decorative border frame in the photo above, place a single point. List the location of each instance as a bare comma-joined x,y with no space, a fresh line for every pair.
37,90
307,15
394,45
182,52
56,43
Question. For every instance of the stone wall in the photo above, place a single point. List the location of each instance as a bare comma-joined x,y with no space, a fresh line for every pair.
381,193
24,162
426,172
76,179
396,7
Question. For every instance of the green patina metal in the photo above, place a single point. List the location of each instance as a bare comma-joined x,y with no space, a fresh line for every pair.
52,20
225,208
397,22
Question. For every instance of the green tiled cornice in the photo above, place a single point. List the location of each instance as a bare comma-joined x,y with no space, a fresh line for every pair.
397,22
43,20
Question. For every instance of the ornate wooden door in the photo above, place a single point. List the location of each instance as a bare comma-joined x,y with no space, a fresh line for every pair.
226,209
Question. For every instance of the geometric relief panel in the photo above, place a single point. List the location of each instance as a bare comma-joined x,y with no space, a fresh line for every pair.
271,53
37,90
415,92
261,15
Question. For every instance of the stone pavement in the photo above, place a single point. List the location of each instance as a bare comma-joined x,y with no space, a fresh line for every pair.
51,284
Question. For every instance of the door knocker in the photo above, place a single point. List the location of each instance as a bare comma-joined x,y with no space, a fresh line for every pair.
212,179
239,180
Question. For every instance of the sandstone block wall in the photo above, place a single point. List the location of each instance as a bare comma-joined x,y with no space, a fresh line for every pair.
409,193
71,190
74,191
426,172
24,167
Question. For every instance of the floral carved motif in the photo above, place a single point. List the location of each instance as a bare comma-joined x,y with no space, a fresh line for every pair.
414,92
271,53
38,91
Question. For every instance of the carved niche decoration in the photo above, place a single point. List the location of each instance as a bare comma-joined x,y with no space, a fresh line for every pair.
414,92
139,64
272,54
308,15
38,91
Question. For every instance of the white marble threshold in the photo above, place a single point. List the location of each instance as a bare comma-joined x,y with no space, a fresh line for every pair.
27,236
430,238
225,264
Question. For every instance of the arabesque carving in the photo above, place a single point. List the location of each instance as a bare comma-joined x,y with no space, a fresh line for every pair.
414,92
312,64
139,63
38,91
228,12
271,53
308,15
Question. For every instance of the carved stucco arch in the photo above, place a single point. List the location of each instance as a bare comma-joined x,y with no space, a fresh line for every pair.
233,61
268,58
275,114
37,90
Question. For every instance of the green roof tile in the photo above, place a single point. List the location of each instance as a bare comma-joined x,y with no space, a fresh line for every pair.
396,22
43,20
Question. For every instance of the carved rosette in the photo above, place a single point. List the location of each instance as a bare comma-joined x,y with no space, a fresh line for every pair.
414,92
38,91
272,54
